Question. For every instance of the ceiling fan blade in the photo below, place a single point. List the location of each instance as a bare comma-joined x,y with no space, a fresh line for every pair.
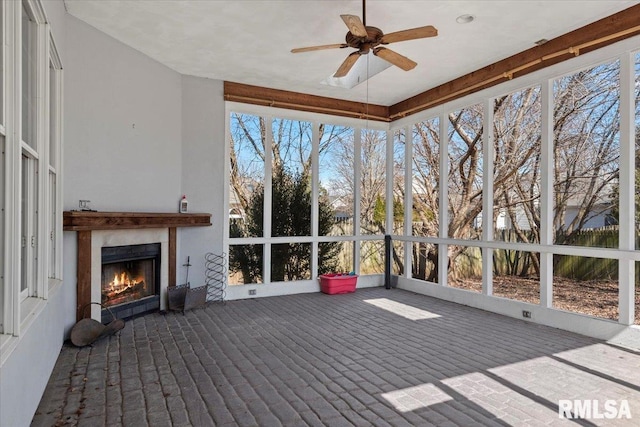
355,25
348,63
413,33
395,58
326,46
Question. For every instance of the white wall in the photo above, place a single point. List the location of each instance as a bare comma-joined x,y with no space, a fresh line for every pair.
122,126
203,133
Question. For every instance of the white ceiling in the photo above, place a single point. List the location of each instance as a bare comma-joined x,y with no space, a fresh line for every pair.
249,41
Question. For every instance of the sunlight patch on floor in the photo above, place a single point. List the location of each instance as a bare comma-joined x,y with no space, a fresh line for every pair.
553,380
498,399
412,398
400,309
605,359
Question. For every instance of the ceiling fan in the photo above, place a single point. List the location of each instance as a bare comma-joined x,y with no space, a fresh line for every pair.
367,38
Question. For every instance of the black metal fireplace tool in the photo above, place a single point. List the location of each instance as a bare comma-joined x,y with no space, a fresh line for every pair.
184,297
87,331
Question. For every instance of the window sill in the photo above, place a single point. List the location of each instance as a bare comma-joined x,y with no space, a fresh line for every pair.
7,344
30,309
54,284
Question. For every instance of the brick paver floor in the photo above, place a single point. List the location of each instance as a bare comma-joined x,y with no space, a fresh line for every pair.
374,357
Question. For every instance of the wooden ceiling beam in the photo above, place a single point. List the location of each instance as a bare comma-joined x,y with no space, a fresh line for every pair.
300,101
596,35
614,28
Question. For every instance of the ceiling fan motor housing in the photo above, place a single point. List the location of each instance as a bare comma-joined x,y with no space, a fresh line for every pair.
374,37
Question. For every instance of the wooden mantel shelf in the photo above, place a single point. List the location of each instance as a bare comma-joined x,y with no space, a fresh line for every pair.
90,220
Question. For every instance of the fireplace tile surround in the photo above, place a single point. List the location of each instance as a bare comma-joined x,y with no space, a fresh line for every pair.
96,230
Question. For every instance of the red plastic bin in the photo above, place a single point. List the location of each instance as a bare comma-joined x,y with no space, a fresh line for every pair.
338,283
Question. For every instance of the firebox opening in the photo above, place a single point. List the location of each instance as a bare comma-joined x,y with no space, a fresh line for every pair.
127,281
130,283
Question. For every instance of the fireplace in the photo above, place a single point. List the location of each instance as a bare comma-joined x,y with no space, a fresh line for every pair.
98,230
130,280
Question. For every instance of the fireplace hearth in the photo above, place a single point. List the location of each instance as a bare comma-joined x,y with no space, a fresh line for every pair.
130,280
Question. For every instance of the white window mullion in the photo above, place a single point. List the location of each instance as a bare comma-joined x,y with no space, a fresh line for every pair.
315,185
546,192
268,175
389,183
54,216
408,198
3,165
443,213
357,173
626,267
13,157
487,196
42,195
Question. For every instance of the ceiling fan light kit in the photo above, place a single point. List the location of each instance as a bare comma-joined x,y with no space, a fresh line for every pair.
368,39
364,69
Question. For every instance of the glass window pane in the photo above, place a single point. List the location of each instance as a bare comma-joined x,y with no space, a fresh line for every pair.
2,235
586,155
397,258
637,294
291,178
53,217
29,63
245,264
586,285
465,268
2,67
516,275
29,225
290,261
465,173
637,141
424,262
24,221
516,123
426,177
246,180
373,182
372,257
399,140
53,114
335,257
336,184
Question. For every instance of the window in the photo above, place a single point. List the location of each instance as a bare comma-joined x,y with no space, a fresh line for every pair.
3,164
30,156
425,197
372,182
31,142
29,77
516,176
531,172
293,198
29,227
336,178
54,224
586,154
465,172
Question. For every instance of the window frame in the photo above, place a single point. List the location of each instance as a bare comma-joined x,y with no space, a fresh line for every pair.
626,253
43,205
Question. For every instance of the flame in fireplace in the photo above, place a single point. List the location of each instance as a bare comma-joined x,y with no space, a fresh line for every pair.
121,283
